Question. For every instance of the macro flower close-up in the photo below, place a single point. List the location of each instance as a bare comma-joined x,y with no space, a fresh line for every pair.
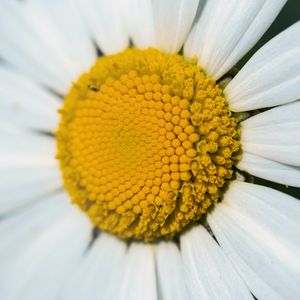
140,159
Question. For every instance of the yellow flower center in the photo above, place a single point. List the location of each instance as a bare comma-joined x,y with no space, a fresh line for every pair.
146,143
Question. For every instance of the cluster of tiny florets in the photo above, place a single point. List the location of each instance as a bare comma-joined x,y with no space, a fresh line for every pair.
146,143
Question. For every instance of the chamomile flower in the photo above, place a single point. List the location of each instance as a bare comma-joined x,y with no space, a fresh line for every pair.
132,190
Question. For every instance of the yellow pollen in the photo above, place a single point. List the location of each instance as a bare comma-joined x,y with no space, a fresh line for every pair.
146,143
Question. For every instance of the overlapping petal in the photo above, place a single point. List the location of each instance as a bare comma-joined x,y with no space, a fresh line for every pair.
227,30
138,278
100,268
28,169
139,22
46,40
257,228
160,24
269,169
105,21
172,23
208,273
170,275
271,77
42,268
274,134
26,104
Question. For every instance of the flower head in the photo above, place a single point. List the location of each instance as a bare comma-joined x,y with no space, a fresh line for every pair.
152,139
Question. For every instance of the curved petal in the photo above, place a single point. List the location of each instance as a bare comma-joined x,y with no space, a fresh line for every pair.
274,134
172,21
258,228
42,268
138,279
28,168
23,227
269,169
139,22
227,30
56,60
170,272
106,24
99,271
66,33
271,77
209,274
26,104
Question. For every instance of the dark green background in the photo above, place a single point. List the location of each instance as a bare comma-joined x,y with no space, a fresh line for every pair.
288,16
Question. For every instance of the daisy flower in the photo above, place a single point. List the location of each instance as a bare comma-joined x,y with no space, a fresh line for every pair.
134,189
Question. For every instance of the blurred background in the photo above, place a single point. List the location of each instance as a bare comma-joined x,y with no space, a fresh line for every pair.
288,16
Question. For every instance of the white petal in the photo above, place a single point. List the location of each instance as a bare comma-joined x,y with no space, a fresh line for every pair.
66,33
269,169
28,169
271,77
106,24
170,272
138,280
25,148
258,228
56,60
21,47
42,268
139,22
227,30
25,103
23,227
99,270
274,134
172,21
209,274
